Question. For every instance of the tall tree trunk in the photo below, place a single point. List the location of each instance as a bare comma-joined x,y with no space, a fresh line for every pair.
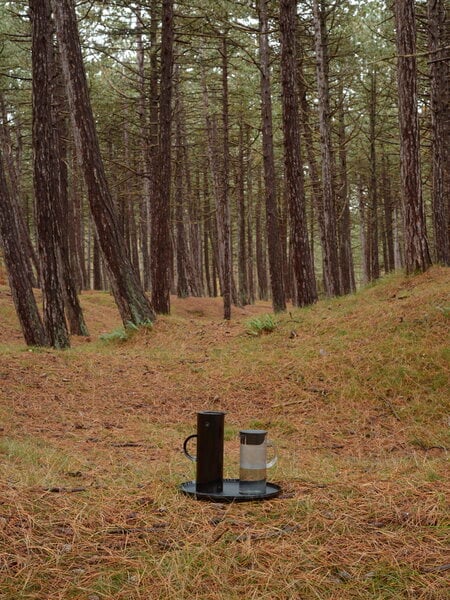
161,240
223,208
132,303
249,224
261,269
344,224
417,256
74,312
272,217
372,232
363,232
18,271
144,205
388,214
304,278
330,254
439,62
242,221
46,177
181,242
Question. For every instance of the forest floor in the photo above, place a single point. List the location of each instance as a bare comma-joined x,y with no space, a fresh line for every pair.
354,391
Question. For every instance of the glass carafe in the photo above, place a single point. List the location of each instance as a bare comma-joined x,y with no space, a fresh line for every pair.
253,461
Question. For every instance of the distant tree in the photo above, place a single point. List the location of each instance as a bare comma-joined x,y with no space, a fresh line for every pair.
130,298
417,255
330,242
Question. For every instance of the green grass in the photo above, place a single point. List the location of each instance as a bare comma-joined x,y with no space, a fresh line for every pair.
262,324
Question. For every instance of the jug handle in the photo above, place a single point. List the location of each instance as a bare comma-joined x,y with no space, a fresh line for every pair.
186,453
275,458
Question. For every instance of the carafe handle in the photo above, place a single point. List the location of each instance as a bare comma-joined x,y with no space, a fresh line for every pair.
274,460
186,453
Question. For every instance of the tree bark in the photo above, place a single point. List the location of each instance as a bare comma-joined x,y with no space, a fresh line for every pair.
132,303
242,222
162,250
439,60
223,208
74,312
372,231
347,273
18,272
330,254
389,264
46,175
272,216
304,278
30,256
417,256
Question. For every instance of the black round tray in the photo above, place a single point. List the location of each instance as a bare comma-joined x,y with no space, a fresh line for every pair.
230,492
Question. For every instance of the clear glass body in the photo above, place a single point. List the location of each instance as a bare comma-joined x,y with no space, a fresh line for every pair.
253,462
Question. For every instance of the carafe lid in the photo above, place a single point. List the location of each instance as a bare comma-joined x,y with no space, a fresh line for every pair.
253,437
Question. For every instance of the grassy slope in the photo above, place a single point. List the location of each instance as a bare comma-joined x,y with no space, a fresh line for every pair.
353,390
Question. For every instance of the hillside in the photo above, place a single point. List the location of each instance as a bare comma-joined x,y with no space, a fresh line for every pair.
354,391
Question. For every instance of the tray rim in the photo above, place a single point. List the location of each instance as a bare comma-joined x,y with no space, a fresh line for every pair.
221,497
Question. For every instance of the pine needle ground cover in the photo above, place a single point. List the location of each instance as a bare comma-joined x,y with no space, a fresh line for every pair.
354,391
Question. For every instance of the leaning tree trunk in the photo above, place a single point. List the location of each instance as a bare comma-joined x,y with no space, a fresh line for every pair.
439,62
131,300
18,272
417,256
12,170
305,282
46,173
272,217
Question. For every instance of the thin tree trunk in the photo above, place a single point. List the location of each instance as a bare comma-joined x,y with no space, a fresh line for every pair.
362,233
223,208
261,270
181,245
388,214
344,221
133,305
272,216
374,264
330,254
249,224
74,312
242,221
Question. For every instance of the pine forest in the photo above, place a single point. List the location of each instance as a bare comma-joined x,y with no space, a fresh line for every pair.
249,150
